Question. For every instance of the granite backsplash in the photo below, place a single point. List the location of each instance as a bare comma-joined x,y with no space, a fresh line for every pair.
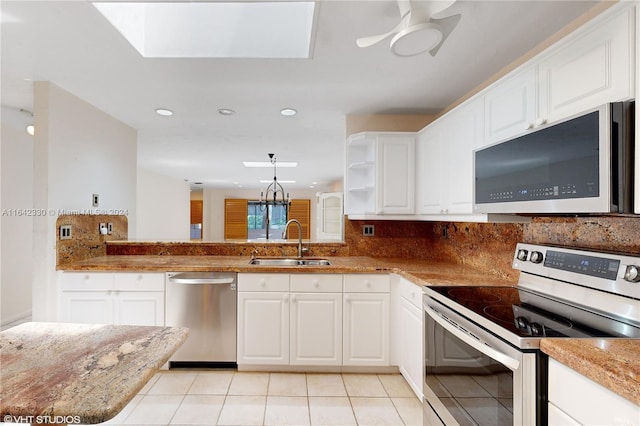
86,241
488,247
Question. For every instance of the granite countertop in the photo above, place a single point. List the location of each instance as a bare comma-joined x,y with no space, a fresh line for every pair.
79,372
613,363
419,271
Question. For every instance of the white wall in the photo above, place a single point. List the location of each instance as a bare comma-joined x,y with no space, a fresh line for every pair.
213,208
163,211
16,253
78,151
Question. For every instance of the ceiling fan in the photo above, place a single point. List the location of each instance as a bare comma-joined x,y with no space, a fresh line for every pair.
418,31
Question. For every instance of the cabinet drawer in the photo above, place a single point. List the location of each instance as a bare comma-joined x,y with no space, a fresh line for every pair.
138,281
316,283
366,283
86,281
263,282
411,292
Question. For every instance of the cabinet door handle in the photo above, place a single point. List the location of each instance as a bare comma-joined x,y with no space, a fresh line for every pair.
293,299
347,298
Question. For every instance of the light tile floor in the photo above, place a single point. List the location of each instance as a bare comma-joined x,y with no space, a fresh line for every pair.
244,398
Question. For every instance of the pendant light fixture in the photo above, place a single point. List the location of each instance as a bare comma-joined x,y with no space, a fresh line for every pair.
273,196
274,193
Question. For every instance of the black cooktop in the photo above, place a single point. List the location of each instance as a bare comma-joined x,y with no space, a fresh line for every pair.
529,314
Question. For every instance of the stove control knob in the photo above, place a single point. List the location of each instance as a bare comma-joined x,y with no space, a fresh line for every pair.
536,329
536,257
522,323
632,274
522,254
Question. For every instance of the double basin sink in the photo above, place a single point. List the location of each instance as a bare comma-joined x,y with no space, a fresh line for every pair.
289,261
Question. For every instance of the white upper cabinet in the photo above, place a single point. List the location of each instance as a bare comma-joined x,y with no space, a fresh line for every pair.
594,68
510,106
586,69
380,175
445,154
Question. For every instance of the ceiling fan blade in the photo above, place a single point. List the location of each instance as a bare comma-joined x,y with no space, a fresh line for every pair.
424,10
371,40
447,25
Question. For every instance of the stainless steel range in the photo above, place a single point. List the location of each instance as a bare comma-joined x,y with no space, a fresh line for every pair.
483,365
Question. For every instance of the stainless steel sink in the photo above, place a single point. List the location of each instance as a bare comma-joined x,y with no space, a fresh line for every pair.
284,261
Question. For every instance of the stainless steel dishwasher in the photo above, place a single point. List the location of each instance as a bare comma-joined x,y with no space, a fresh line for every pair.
206,303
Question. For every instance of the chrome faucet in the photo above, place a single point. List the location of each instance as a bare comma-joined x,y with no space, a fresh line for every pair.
286,228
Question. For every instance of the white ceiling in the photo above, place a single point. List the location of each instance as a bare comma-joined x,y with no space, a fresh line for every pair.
72,45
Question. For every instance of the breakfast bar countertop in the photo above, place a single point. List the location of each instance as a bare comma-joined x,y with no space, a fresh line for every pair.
78,373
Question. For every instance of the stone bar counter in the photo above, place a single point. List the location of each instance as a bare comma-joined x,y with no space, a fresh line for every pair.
78,373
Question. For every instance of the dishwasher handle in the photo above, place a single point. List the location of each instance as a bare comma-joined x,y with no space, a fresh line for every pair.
202,280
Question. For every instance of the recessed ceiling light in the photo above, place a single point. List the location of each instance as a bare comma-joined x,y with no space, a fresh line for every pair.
288,112
30,129
268,164
226,111
164,112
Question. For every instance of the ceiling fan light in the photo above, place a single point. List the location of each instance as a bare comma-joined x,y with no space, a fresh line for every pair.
416,39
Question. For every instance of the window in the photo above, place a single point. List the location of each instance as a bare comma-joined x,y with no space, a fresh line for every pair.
257,220
245,219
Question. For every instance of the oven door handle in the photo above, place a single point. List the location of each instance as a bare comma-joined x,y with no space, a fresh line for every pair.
506,360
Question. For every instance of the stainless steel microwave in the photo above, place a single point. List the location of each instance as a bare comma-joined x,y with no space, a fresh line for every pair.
583,164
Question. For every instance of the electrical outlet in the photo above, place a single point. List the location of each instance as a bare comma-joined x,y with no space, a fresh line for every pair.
95,200
109,228
65,232
102,229
368,230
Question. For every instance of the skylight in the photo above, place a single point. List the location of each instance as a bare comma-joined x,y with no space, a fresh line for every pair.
214,30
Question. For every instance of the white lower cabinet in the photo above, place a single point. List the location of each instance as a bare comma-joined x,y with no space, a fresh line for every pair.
316,329
112,298
410,333
313,319
316,319
263,328
366,320
575,399
86,307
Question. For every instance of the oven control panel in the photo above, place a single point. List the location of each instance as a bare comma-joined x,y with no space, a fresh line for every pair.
588,265
610,272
